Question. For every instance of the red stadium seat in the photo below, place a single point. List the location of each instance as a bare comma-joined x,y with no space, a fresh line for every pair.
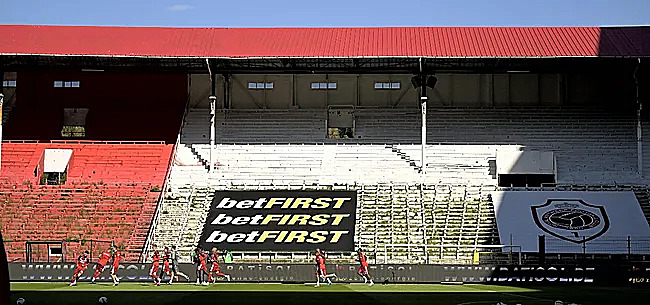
106,196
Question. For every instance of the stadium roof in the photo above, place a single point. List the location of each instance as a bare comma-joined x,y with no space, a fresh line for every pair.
394,42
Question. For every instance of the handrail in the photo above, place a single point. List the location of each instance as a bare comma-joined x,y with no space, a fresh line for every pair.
163,193
170,163
21,141
85,142
105,142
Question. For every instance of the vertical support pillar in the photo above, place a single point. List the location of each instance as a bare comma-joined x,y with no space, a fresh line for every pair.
294,105
213,101
639,140
639,128
2,99
227,93
423,104
225,90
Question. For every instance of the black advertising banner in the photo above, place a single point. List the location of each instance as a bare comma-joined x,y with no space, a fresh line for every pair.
281,220
391,273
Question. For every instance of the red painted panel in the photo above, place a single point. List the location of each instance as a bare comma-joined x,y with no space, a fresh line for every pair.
326,42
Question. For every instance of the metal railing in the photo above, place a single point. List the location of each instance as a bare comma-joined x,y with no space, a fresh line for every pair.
445,253
41,251
163,193
394,254
154,221
106,142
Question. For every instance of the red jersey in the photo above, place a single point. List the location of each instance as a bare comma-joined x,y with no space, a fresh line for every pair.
363,259
155,258
103,258
82,261
320,259
167,256
116,258
203,257
215,257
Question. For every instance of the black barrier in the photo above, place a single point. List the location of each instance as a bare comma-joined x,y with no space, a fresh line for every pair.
4,273
599,275
281,220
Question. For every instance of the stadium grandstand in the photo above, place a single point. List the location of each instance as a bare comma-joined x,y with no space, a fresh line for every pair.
124,135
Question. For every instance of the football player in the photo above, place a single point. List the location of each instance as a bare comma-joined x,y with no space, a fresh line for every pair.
214,269
115,265
363,269
99,267
321,272
82,264
175,270
155,265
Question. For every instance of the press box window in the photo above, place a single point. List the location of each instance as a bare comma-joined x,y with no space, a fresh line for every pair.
74,122
389,86
66,84
9,83
323,86
258,86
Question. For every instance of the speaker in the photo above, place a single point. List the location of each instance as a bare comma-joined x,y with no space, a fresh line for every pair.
419,80
4,273
432,81
416,81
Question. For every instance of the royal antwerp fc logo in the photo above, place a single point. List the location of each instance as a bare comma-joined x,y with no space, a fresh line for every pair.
571,219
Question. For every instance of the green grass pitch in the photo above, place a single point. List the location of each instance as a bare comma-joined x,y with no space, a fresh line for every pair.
304,294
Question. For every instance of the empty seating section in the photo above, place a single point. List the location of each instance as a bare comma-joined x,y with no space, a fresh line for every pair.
19,161
388,126
76,214
196,127
441,216
334,164
181,218
414,223
109,163
310,164
460,216
107,196
121,163
590,145
422,223
261,126
391,214
467,164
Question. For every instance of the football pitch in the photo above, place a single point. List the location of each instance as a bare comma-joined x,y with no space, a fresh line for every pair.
303,294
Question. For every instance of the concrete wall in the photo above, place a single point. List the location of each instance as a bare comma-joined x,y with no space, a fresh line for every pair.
452,90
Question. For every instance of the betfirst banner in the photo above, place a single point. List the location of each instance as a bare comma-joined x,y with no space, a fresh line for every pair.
572,222
281,220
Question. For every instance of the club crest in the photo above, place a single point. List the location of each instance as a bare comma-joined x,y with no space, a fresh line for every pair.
571,219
